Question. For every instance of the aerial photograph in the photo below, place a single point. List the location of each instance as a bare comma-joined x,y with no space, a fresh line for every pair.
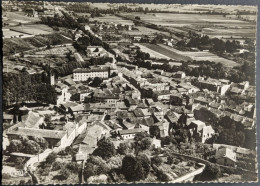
110,93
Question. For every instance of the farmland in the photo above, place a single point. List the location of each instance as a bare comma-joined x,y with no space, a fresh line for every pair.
14,18
201,56
170,54
212,25
161,51
62,50
153,54
140,30
14,45
112,19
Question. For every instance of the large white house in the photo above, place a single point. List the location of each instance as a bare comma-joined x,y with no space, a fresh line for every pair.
82,74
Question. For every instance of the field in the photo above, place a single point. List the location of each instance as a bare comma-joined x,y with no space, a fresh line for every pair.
161,51
212,25
170,54
18,17
56,51
153,54
112,19
10,33
14,45
202,56
178,7
35,29
144,31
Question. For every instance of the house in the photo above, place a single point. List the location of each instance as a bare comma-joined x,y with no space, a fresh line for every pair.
226,157
63,95
200,131
244,85
130,133
7,118
207,133
179,74
156,143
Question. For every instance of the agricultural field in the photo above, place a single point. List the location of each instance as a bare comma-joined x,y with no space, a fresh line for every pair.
201,23
201,56
11,34
14,45
170,54
153,54
178,7
63,50
112,19
14,18
141,30
35,29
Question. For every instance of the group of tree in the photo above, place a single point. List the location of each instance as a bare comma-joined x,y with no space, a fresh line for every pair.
215,44
24,87
59,21
68,68
228,131
142,55
27,146
100,60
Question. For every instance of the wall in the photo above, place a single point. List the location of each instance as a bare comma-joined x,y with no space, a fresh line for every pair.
189,176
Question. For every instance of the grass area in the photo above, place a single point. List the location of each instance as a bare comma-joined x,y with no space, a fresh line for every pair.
220,24
152,51
201,56
18,17
14,45
169,53
57,51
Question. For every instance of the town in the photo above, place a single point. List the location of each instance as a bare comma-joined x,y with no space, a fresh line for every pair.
123,93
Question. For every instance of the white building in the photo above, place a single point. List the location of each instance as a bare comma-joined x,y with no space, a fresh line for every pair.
82,74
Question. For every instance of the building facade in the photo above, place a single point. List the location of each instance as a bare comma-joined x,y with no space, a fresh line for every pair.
82,74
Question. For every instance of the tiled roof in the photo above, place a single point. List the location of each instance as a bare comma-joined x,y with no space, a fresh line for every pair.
131,131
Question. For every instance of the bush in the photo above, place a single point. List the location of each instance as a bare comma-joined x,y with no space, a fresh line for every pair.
73,167
6,176
57,165
156,160
170,159
51,158
211,172
15,146
106,149
162,176
19,162
63,174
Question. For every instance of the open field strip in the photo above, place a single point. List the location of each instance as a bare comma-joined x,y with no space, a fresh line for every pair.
153,53
204,56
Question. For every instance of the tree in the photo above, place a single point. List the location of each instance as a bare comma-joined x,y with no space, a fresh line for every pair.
156,160
135,168
145,143
73,167
154,131
106,149
41,141
96,82
15,146
170,159
64,174
211,172
31,147
139,136
128,167
51,158
122,148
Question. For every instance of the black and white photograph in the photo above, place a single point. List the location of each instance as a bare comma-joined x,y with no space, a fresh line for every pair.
111,93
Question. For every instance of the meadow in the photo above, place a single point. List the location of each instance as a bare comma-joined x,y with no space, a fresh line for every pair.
212,25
